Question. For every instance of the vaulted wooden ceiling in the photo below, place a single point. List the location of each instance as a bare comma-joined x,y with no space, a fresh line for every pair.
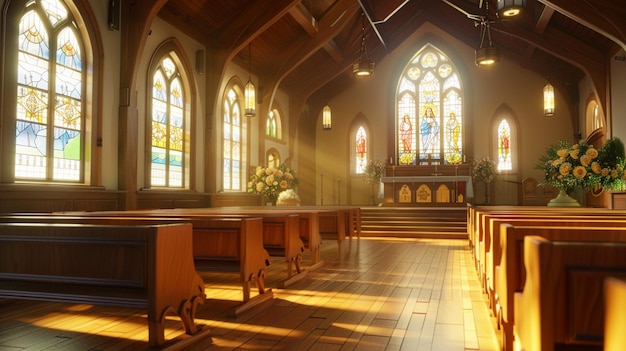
307,47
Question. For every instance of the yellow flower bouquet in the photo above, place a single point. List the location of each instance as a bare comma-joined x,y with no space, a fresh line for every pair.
581,166
270,181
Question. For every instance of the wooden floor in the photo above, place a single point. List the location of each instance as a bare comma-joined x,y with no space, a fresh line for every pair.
377,294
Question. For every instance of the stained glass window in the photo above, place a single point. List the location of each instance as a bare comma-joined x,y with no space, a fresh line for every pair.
273,125
504,146
49,142
429,124
168,126
361,155
233,150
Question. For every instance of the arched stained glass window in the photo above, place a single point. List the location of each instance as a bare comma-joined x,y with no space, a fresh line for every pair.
273,125
429,111
49,139
233,141
168,125
361,155
504,146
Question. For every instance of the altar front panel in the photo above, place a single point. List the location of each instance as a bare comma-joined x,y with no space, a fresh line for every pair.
439,190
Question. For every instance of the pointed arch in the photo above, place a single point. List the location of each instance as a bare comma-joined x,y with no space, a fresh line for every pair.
274,123
505,139
360,144
50,116
234,137
169,120
429,110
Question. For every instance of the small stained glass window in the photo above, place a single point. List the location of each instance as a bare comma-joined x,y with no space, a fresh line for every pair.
504,146
361,144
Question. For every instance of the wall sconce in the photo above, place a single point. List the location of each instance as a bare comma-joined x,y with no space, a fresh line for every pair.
486,55
249,90
509,9
548,100
326,118
363,67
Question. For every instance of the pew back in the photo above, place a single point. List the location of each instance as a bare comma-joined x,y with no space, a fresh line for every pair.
562,298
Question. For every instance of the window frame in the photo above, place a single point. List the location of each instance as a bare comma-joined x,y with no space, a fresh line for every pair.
175,51
89,34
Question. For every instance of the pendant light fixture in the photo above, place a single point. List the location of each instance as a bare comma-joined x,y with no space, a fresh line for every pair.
509,9
487,54
327,123
363,67
250,91
548,100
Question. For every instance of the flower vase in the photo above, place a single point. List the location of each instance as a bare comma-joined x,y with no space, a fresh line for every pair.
563,200
486,193
271,200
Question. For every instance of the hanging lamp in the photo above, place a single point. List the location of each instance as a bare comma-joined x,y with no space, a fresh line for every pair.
327,123
487,54
363,67
548,100
249,90
509,9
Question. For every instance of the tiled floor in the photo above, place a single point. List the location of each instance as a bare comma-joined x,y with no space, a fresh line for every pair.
373,294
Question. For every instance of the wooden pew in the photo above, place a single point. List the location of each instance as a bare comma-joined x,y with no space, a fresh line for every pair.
614,314
511,274
219,244
148,267
493,251
480,229
562,298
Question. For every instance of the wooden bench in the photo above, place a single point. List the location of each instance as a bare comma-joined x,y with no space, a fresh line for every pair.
219,245
511,273
493,251
479,227
148,267
614,314
563,298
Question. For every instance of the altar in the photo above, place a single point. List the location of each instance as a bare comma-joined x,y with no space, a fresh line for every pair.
427,185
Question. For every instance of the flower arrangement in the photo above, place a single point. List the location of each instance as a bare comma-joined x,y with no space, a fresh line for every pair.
374,170
483,170
270,181
581,166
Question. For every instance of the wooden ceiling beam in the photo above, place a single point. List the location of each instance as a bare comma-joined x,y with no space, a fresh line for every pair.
304,19
544,19
611,24
249,24
329,26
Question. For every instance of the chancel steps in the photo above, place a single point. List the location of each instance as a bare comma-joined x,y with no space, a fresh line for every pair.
414,222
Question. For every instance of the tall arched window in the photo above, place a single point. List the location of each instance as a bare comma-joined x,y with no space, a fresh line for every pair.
361,143
233,141
504,146
273,127
429,120
50,122
169,126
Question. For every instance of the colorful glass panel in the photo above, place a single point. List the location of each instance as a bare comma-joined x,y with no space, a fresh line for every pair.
504,146
429,111
361,143
167,162
232,148
49,149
